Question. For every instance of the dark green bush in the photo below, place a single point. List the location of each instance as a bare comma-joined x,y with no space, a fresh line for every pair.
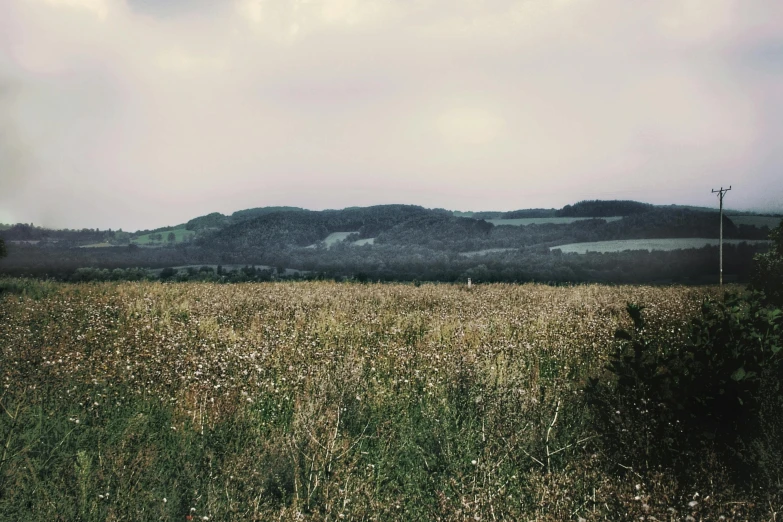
167,273
720,392
768,269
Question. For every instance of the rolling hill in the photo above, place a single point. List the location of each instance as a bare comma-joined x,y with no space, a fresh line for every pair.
411,242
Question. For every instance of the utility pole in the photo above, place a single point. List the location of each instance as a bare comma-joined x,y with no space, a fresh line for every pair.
721,192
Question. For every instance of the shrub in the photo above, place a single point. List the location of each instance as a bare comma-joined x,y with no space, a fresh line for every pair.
167,273
768,269
720,391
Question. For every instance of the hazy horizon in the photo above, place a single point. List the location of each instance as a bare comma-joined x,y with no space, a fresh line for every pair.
137,114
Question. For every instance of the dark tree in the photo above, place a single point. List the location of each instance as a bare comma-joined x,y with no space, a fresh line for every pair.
171,237
3,251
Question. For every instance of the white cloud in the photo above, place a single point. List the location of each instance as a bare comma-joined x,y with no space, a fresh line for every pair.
177,59
252,101
469,125
99,8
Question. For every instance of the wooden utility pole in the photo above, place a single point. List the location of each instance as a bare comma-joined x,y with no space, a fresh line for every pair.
721,192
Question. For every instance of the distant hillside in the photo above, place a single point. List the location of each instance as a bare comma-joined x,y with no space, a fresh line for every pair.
533,213
301,228
406,242
599,208
436,230
217,220
483,214
250,213
675,223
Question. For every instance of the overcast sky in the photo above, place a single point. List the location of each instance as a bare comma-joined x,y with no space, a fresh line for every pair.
141,113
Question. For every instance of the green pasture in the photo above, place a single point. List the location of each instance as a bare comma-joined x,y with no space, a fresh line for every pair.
181,234
622,245
544,221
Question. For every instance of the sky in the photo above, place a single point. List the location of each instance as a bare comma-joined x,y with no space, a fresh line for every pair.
135,114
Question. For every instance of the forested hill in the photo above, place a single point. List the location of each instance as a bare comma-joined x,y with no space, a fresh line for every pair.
300,228
677,222
598,208
440,230
217,220
394,242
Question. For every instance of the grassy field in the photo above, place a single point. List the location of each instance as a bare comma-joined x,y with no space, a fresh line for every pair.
334,238
544,221
181,235
621,245
366,241
323,401
474,253
98,245
756,221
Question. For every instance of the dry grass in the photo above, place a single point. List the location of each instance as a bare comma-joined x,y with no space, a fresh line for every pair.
323,401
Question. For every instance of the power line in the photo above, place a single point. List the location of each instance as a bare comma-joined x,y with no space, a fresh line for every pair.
721,192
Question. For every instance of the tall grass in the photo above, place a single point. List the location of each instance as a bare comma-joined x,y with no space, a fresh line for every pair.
137,401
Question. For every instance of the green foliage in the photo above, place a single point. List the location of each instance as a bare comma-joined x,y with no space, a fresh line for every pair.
300,228
525,213
87,274
756,221
167,273
31,288
598,208
719,391
213,220
768,274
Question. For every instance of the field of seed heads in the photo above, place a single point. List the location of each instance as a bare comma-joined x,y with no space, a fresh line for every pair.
311,400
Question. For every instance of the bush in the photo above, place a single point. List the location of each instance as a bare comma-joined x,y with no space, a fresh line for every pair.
167,273
768,269
720,392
